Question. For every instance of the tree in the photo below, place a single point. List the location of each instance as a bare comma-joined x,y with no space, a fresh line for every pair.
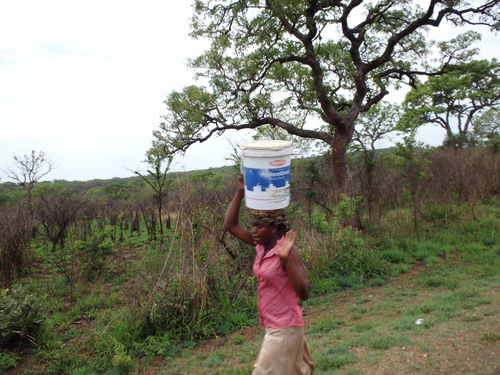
309,67
157,180
412,161
29,170
487,128
455,98
372,127
57,209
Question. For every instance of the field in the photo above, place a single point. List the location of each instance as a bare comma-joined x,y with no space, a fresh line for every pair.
115,277
373,330
447,275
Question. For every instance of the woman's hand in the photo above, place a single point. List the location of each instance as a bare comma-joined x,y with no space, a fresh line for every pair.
241,183
290,259
284,247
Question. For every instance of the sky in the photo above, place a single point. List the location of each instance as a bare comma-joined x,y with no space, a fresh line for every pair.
85,82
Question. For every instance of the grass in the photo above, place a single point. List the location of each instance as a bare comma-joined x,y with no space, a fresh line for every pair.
371,329
447,276
375,332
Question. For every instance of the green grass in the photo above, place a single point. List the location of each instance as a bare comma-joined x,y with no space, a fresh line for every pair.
450,292
334,357
352,322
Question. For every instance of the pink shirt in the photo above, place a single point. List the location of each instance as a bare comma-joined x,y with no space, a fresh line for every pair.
277,302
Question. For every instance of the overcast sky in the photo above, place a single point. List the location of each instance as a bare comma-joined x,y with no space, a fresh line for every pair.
85,81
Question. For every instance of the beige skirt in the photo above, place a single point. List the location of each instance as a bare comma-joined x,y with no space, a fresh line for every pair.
284,352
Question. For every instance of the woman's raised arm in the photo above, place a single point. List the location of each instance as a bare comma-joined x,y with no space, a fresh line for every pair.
231,221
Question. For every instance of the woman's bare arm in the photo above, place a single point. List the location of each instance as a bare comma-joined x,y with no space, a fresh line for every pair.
231,220
290,259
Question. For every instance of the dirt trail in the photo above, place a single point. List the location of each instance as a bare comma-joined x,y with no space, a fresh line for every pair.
467,343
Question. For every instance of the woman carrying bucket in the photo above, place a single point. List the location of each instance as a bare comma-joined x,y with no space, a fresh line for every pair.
282,280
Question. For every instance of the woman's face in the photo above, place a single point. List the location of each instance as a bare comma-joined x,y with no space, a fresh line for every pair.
262,232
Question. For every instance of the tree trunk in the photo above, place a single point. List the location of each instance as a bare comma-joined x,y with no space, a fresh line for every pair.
340,167
342,174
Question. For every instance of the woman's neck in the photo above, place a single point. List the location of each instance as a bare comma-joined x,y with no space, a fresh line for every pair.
271,244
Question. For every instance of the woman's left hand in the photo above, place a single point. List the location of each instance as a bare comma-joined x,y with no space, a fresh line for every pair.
284,247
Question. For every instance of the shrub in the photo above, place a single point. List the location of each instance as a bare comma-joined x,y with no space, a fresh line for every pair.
21,316
7,360
334,249
439,214
16,228
95,250
429,252
395,255
355,258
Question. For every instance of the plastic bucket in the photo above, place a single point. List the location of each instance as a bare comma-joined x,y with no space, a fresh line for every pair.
266,170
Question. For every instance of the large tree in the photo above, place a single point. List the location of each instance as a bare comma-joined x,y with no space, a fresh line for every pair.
309,67
455,99
488,125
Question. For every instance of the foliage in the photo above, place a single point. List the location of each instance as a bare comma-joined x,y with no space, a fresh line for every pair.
16,226
156,299
309,68
487,129
29,170
411,160
21,316
7,360
95,250
340,250
455,99
373,127
57,211
198,288
158,181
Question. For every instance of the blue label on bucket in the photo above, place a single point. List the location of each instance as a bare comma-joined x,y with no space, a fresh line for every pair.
266,179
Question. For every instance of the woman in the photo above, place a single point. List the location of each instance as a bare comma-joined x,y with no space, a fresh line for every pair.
282,280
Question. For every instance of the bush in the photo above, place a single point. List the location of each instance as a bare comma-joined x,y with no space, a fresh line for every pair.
7,360
16,228
334,249
355,258
21,316
439,214
95,251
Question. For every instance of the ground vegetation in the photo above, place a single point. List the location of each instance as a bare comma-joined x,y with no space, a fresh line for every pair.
114,299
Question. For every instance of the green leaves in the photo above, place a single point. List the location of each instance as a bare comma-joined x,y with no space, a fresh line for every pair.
188,114
455,98
308,67
21,315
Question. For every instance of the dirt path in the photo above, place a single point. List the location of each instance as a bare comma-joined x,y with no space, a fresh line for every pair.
453,340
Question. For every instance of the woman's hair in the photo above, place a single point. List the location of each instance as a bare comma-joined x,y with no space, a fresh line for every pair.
273,217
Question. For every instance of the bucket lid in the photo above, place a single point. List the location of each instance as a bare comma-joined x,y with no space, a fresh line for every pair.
273,145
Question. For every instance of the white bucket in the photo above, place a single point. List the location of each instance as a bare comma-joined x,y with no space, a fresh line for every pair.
266,170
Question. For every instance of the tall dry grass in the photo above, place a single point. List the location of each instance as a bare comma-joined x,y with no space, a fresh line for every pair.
16,228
